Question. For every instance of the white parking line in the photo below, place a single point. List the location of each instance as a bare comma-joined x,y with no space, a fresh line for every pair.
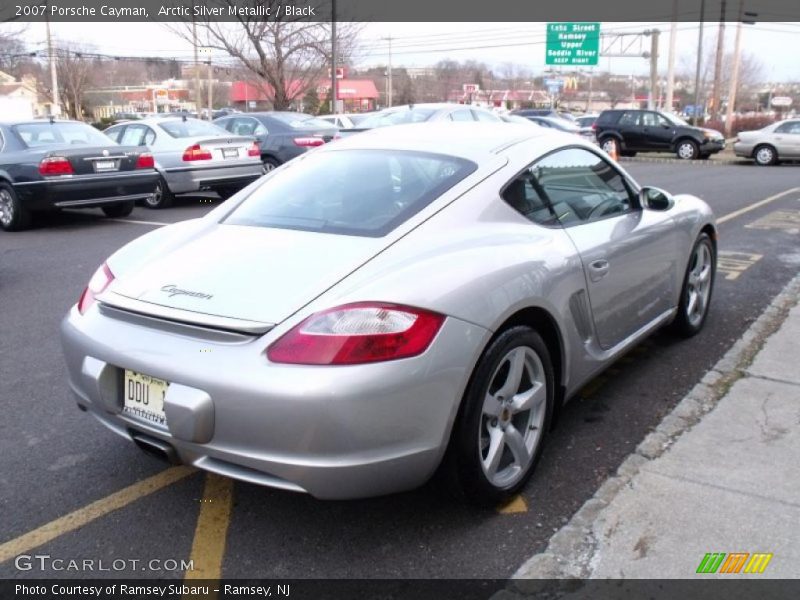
155,223
756,205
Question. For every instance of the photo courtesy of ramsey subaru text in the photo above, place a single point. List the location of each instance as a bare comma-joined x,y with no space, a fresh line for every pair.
47,165
408,300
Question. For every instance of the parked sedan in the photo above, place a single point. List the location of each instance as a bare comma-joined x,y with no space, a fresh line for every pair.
47,165
410,297
345,121
281,135
772,144
192,155
419,113
563,125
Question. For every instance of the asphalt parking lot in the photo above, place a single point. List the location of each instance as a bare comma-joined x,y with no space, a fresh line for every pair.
73,490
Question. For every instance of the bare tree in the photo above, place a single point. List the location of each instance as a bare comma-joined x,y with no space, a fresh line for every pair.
448,74
13,53
75,76
286,55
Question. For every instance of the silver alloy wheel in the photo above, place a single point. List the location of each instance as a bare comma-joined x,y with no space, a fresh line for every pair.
765,155
268,166
155,198
609,146
686,150
6,207
698,286
512,417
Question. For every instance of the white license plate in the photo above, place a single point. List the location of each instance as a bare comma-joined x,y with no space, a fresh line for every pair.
143,397
230,153
105,165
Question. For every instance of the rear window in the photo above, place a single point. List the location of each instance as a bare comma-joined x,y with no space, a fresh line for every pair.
48,134
608,116
398,117
350,192
191,128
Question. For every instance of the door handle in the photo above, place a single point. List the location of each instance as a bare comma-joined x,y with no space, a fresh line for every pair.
598,269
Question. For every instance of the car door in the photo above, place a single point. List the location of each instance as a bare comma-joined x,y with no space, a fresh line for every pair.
657,132
787,139
628,254
629,128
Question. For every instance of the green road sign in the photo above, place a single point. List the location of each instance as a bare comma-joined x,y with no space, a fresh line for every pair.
572,44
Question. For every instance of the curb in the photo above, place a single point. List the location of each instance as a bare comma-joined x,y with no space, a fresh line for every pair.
570,550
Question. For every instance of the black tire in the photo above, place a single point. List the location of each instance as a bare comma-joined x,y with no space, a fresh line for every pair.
121,209
607,143
687,150
473,431
765,155
162,196
13,215
687,322
270,163
227,191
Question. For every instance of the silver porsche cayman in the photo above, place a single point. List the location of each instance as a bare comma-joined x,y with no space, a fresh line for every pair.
409,299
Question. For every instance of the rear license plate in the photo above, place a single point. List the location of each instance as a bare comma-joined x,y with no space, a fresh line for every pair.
143,397
105,165
230,153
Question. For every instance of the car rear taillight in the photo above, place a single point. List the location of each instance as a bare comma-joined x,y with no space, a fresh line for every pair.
352,334
145,161
308,142
594,126
254,150
196,152
55,165
101,279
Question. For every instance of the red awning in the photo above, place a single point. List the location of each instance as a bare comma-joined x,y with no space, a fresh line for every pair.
355,89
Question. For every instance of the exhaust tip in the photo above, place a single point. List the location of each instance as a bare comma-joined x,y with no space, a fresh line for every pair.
155,447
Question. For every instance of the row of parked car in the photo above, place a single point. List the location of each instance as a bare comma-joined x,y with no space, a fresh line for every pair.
52,164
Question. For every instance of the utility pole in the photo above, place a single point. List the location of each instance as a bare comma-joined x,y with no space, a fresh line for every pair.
673,28
334,92
734,84
699,63
55,108
210,90
390,92
651,102
715,94
198,98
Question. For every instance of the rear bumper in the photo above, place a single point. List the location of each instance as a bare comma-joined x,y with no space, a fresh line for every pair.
333,432
86,191
195,178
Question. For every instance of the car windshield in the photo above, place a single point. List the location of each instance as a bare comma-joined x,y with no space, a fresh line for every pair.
398,117
350,192
675,120
64,132
191,128
301,121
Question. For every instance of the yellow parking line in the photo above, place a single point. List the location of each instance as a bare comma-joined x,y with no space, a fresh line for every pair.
756,205
517,504
95,510
208,548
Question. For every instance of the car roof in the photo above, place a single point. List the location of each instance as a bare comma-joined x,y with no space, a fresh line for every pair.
36,121
470,140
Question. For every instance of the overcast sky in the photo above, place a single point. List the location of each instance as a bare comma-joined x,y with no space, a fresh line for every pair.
423,44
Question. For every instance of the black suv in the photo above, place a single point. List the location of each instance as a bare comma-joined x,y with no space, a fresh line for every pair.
627,132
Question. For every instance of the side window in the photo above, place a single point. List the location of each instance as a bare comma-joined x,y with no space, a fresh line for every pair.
790,127
524,196
649,119
247,126
484,116
114,133
461,115
134,135
581,186
149,136
628,118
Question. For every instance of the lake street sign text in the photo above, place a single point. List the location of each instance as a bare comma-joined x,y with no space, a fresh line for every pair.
572,44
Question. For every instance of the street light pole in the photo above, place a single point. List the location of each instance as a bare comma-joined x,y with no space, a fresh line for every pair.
333,57
55,108
671,57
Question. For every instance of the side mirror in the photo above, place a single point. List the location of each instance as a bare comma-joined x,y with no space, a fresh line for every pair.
653,198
